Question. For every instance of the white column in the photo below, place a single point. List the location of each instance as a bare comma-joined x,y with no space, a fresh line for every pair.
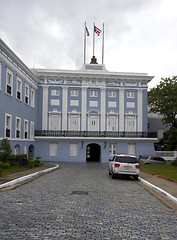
64,108
103,108
121,110
140,110
83,109
45,108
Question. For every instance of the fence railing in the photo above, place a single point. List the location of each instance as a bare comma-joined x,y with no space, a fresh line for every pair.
167,155
106,134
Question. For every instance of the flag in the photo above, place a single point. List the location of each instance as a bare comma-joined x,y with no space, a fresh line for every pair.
97,30
87,31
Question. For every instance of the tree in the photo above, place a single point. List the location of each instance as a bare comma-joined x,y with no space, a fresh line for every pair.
163,99
5,149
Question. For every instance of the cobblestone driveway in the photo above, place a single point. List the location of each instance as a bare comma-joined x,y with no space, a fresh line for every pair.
112,209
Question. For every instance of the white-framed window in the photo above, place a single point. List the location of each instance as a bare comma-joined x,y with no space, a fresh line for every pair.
54,122
26,129
73,149
74,103
74,93
55,102
130,124
130,105
53,149
132,149
19,89
31,130
112,149
32,98
93,103
74,123
8,125
26,93
93,93
18,128
25,149
112,104
112,94
112,123
130,94
93,123
0,74
55,92
9,82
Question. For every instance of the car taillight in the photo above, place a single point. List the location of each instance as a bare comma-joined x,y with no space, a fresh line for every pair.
137,166
117,164
140,160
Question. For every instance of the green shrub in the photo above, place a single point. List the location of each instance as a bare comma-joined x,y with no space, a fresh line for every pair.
5,149
4,165
31,162
174,163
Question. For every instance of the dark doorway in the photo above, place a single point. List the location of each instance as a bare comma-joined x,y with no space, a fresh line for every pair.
31,151
93,153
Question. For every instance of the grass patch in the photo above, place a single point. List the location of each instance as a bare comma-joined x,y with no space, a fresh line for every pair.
166,170
11,170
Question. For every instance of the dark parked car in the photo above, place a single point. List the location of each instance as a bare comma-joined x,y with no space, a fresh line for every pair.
151,160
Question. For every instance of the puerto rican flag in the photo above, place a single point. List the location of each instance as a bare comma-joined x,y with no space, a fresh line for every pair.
87,31
97,30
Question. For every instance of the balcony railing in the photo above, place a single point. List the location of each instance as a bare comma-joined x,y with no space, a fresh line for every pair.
104,134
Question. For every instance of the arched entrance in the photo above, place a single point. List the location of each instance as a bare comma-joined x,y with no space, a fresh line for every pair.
17,149
93,152
31,151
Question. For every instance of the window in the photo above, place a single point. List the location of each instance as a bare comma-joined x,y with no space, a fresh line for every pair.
74,93
93,123
55,102
130,124
19,88
32,130
9,82
112,123
130,105
26,129
112,149
8,125
18,128
54,122
53,149
112,94
74,103
74,123
112,104
93,103
130,94
55,92
132,149
73,149
93,93
26,94
32,97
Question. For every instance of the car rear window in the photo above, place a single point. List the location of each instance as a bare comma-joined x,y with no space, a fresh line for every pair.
127,159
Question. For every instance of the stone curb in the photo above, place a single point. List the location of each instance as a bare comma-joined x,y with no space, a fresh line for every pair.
27,177
164,193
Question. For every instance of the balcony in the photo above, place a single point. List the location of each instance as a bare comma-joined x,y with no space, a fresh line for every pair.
103,134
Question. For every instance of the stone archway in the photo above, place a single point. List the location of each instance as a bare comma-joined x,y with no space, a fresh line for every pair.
93,153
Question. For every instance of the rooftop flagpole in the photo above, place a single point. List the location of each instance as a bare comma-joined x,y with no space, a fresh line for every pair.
94,39
103,46
84,42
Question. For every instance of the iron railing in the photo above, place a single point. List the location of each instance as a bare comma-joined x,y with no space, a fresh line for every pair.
105,134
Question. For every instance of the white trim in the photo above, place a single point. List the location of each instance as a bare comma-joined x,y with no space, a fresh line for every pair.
64,108
20,90
10,128
32,130
121,109
16,129
84,108
26,95
45,107
0,74
140,110
26,121
9,73
32,98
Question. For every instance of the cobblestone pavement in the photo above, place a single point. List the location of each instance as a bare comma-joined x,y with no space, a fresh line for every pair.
81,201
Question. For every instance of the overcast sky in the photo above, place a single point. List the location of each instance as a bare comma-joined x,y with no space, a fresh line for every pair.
140,35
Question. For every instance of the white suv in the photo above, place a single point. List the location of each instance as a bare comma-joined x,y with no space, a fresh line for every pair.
124,165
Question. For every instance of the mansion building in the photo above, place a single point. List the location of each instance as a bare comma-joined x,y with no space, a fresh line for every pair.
73,115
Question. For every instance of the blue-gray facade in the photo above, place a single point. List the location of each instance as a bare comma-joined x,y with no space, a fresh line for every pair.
84,115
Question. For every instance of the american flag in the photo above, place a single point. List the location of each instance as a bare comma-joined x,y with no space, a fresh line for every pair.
97,30
87,31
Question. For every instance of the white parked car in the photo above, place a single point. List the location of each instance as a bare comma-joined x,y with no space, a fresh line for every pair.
124,165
